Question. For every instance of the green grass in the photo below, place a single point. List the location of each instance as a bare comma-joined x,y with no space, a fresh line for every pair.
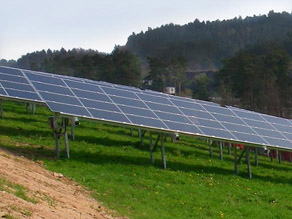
112,164
16,189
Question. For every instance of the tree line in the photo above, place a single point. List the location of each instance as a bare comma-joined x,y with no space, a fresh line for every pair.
120,66
203,43
260,78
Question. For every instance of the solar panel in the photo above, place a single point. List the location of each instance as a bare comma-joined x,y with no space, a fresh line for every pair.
83,86
110,116
52,88
144,108
137,111
2,92
147,122
163,108
68,109
10,71
99,105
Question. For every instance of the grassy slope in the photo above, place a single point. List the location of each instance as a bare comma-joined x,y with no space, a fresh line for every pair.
111,163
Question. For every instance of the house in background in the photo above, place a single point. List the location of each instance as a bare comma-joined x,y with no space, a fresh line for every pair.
169,90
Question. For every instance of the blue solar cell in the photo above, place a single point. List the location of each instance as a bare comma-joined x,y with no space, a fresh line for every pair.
127,88
128,102
149,122
283,128
288,135
182,127
83,86
13,78
249,138
172,117
258,124
68,109
276,120
60,98
24,87
52,89
2,92
269,133
247,115
230,119
219,110
44,79
238,128
104,84
91,95
155,93
216,133
137,112
188,105
196,113
10,71
278,142
163,108
154,99
66,77
119,92
184,99
110,116
100,105
206,103
23,94
207,123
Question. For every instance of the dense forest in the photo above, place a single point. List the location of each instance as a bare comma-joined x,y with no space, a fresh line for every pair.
204,44
259,77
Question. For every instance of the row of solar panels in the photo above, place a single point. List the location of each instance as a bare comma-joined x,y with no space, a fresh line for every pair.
144,108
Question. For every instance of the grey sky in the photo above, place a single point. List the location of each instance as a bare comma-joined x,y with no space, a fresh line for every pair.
31,25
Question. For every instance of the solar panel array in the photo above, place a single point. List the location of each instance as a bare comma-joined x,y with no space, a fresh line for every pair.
144,108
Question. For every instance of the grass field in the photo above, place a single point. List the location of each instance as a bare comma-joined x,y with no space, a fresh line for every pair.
113,165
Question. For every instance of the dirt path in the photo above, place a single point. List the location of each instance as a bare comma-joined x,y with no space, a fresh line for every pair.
46,194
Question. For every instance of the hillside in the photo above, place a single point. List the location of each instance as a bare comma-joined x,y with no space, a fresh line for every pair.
205,44
28,190
117,171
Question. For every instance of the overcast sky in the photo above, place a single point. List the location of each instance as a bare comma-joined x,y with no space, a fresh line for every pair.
30,25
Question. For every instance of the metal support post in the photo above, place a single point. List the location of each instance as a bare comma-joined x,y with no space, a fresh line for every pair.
241,155
211,148
26,107
57,145
72,121
57,129
256,157
235,160
141,135
32,107
221,150
57,136
65,123
248,162
1,109
151,147
229,148
280,156
289,157
162,151
271,155
131,132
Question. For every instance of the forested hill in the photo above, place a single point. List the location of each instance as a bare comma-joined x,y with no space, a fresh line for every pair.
205,44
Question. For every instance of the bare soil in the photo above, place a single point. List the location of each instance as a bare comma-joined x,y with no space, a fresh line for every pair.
53,195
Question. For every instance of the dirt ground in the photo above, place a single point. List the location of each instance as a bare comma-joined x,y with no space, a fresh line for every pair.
50,194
